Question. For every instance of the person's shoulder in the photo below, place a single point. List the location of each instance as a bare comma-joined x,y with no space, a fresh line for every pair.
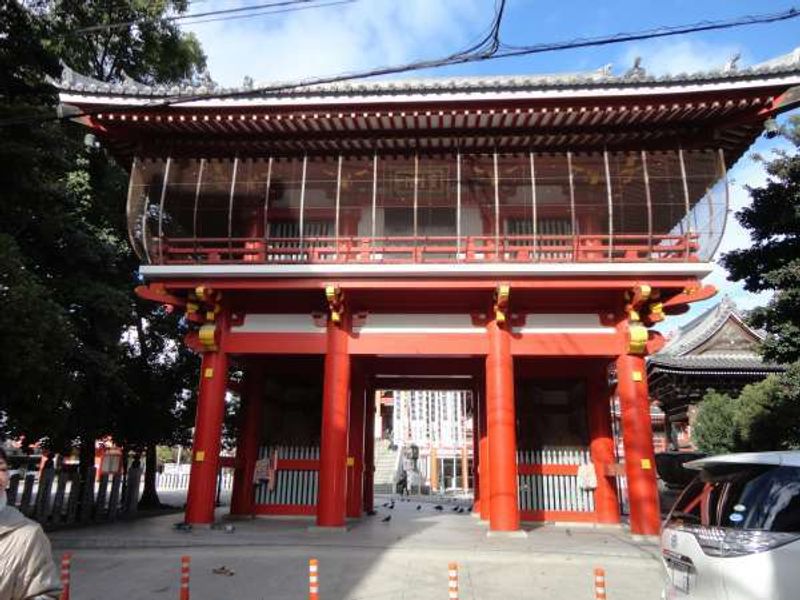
12,519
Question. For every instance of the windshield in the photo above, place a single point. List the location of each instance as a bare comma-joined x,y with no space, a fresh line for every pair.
752,497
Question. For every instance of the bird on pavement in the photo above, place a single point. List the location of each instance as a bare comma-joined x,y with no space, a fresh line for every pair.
438,507
419,506
387,519
460,510
371,513
470,508
455,509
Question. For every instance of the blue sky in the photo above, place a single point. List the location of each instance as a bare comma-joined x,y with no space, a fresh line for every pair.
372,33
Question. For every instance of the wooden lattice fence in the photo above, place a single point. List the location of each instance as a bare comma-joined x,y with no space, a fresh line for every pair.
57,497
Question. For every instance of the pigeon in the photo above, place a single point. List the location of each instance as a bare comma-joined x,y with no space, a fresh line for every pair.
223,570
391,507
438,507
470,508
182,526
385,504
387,519
371,513
455,509
569,533
419,506
460,510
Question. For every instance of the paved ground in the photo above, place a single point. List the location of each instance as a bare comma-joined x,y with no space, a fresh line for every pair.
405,558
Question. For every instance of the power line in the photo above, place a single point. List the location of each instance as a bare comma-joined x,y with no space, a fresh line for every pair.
182,17
269,12
472,54
665,31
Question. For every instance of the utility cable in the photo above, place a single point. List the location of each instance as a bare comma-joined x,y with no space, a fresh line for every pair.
269,12
182,17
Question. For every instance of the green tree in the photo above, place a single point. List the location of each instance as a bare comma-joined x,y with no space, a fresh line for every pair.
765,416
162,374
114,40
715,429
773,261
66,270
769,412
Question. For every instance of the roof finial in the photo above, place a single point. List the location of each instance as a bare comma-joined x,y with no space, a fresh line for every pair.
636,71
731,65
247,83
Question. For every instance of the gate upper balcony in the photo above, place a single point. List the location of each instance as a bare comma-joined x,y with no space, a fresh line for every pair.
578,168
451,207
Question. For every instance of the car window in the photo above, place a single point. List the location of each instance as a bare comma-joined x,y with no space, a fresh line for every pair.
690,505
766,500
752,497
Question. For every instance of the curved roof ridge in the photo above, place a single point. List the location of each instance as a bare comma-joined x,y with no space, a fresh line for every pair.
705,326
788,64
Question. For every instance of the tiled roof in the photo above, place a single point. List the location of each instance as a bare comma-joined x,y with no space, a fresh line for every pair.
601,78
702,327
723,364
676,355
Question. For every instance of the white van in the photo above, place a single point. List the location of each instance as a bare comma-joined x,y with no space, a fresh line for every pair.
734,533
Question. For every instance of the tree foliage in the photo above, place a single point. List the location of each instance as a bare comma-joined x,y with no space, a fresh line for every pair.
714,430
773,261
114,40
68,368
765,416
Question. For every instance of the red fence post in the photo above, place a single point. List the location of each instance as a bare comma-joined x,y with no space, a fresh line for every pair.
66,563
599,584
452,583
313,579
185,560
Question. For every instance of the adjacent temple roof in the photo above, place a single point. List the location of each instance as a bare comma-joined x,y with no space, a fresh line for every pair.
590,111
718,342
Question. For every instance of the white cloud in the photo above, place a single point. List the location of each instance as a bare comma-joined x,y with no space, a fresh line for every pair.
676,56
337,39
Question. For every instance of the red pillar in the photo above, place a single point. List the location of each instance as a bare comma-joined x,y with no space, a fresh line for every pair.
355,458
485,472
501,429
207,434
606,504
369,449
637,437
249,440
333,451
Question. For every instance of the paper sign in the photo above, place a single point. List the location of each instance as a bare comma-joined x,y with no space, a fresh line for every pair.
646,464
200,456
351,461
261,471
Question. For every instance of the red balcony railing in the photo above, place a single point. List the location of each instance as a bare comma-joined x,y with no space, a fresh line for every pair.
428,249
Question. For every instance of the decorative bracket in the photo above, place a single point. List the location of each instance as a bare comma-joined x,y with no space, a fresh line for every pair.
335,299
500,307
636,304
203,307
